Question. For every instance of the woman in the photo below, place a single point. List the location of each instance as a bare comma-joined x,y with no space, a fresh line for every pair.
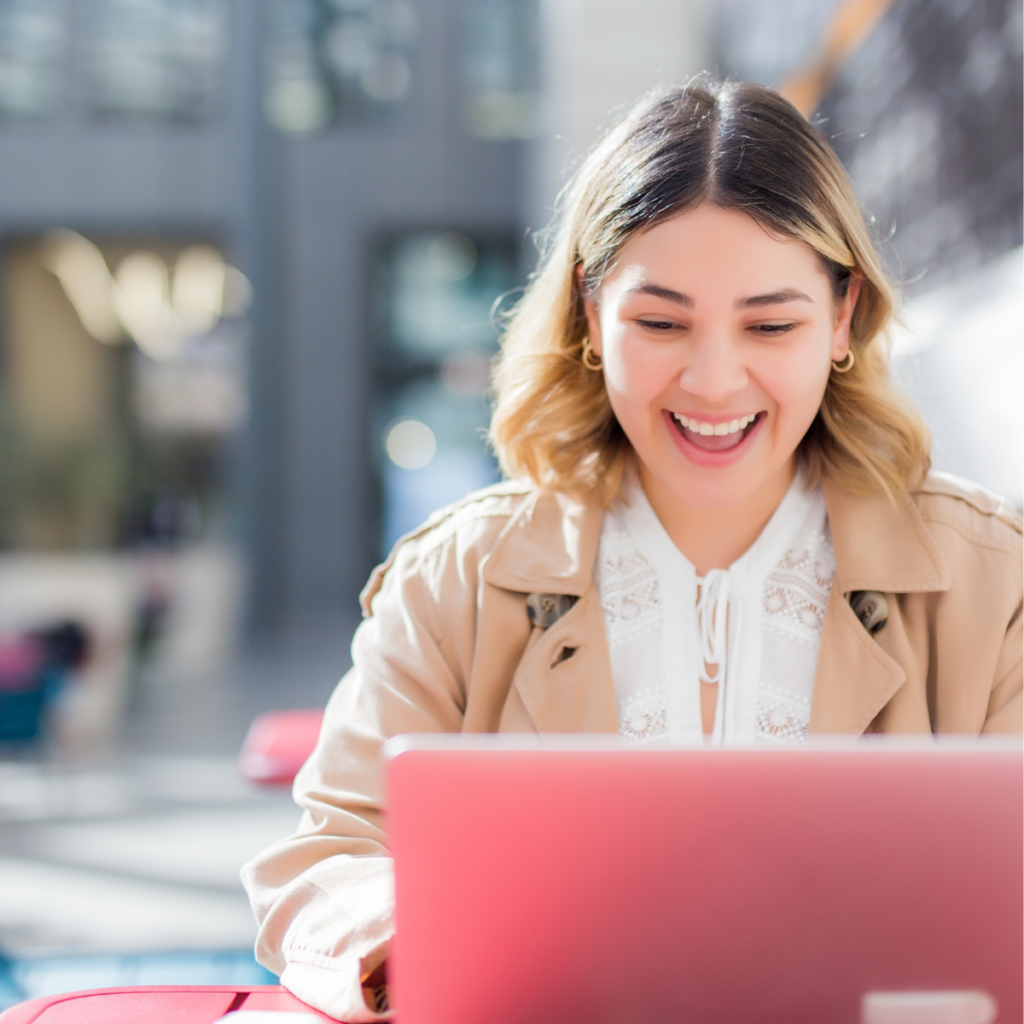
721,525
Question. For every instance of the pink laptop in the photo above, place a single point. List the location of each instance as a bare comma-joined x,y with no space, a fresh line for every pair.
562,881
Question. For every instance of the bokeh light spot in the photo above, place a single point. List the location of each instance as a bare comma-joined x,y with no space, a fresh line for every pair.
410,444
452,256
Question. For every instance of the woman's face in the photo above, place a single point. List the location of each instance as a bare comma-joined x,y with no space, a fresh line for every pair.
717,340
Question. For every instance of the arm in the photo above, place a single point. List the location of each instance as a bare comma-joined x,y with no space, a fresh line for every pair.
324,897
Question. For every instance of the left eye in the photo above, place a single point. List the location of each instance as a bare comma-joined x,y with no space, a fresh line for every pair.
657,325
773,328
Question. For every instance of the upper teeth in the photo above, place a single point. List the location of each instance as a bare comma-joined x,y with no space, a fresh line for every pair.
714,428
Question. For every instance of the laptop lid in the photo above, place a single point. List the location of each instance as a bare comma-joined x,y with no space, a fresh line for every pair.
552,881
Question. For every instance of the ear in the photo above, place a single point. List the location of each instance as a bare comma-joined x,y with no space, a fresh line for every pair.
590,307
844,315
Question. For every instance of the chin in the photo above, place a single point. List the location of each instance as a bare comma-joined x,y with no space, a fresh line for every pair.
702,488
709,495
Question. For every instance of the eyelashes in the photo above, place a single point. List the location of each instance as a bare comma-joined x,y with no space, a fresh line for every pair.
771,329
658,325
664,326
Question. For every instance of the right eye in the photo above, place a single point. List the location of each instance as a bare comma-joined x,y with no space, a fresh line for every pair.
658,325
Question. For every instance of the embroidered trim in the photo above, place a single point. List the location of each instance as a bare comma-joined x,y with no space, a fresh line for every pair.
782,717
628,584
644,717
796,592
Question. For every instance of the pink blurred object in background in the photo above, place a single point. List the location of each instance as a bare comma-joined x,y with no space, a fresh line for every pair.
278,744
21,658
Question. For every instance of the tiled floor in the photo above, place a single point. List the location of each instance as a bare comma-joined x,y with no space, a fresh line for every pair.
141,855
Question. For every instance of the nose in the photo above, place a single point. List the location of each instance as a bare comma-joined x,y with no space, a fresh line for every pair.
714,369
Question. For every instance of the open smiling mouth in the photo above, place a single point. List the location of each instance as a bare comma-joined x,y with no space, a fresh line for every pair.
716,437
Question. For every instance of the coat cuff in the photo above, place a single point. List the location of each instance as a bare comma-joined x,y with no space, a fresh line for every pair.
334,988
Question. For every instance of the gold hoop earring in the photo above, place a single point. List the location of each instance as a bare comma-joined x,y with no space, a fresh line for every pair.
590,360
846,364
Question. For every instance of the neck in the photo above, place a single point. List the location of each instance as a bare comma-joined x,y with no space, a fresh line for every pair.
714,538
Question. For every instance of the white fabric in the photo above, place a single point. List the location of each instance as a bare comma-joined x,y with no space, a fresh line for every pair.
758,623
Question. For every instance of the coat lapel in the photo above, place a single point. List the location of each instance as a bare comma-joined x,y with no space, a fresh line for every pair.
878,546
564,677
854,678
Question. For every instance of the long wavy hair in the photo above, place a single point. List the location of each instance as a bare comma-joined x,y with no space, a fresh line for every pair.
738,146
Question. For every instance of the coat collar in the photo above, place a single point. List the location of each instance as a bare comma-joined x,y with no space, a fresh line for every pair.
881,546
550,545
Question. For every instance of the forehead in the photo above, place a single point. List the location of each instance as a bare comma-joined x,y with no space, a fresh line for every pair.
714,248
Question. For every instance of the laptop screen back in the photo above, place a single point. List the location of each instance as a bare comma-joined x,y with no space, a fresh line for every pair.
553,885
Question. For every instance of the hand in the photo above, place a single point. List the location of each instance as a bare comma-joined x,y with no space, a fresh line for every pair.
375,989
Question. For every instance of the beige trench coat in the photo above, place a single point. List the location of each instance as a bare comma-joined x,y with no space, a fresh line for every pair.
446,646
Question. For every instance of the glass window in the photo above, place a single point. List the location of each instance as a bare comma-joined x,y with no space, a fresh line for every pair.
32,39
500,66
435,334
123,387
333,60
155,58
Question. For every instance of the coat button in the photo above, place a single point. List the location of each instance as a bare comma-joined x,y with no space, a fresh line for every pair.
544,610
871,608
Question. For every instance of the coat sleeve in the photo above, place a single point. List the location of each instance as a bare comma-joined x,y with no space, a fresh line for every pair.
324,897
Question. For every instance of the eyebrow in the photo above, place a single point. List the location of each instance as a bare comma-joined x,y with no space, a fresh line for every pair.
664,293
752,302
773,298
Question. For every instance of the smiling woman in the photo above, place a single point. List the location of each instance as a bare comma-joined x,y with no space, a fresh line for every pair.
719,525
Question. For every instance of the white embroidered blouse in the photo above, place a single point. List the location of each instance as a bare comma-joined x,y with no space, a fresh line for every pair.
759,622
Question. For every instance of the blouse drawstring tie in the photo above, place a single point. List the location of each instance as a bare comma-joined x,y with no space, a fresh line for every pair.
712,616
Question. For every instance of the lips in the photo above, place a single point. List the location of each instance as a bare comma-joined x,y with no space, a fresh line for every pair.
716,437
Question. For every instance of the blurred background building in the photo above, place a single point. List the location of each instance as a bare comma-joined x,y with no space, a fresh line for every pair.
250,255
252,258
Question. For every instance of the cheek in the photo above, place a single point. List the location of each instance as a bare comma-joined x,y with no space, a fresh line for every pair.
635,370
797,385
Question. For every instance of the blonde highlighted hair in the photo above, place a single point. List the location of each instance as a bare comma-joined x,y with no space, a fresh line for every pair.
737,146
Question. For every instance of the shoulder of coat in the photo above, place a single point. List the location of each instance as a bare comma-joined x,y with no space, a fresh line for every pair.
497,502
976,512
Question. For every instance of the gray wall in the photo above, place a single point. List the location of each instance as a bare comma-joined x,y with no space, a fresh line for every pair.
297,215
